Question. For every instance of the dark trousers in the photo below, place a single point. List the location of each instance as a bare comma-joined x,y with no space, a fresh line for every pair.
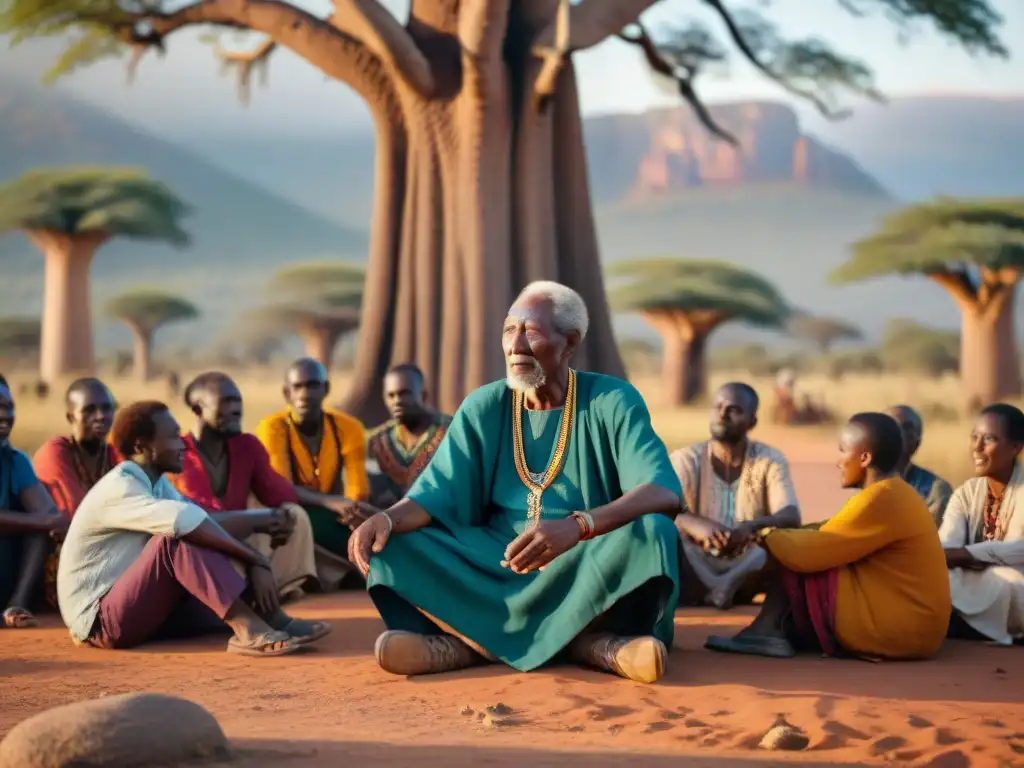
174,589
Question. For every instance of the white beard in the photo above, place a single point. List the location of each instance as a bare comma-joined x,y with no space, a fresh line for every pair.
525,382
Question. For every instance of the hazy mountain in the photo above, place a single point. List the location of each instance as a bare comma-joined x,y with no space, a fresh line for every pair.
240,231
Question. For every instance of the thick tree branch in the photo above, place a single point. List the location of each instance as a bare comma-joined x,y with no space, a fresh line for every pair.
683,79
245,63
381,32
958,286
337,54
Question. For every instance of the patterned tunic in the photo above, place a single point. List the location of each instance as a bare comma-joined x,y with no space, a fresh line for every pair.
933,489
397,464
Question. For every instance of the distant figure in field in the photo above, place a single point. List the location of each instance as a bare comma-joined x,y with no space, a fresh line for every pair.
42,390
870,582
933,489
786,411
738,486
983,533
173,383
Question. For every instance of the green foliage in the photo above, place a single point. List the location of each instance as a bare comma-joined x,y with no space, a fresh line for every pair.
864,360
691,285
943,235
328,293
808,68
639,355
909,347
823,332
80,200
147,309
19,335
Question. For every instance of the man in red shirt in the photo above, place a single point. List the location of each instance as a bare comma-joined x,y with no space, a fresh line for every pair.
224,466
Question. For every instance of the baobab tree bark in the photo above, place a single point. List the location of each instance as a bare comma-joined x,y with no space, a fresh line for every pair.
684,335
989,362
481,182
66,345
142,350
320,339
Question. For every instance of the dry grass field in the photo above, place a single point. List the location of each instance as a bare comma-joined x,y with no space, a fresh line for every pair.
945,449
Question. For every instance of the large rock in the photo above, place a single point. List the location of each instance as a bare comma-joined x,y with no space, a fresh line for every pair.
135,730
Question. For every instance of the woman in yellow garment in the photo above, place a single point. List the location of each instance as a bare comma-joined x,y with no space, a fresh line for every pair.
871,581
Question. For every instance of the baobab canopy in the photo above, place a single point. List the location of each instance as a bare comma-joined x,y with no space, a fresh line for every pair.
481,184
685,300
82,201
974,249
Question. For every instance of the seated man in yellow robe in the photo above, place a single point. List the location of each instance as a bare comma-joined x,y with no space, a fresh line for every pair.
323,454
871,581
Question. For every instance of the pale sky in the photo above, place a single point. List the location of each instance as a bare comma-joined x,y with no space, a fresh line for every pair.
183,93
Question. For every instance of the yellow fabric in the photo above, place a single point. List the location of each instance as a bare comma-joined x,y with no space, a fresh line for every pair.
285,445
893,592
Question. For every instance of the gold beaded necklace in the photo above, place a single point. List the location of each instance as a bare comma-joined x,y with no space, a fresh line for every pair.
536,482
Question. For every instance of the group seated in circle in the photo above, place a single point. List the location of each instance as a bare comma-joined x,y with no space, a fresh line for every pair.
547,492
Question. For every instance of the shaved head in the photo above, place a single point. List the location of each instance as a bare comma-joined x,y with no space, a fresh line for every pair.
306,368
912,425
306,386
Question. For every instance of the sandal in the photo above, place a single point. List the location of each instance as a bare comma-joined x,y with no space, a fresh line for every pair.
261,645
752,645
304,632
18,618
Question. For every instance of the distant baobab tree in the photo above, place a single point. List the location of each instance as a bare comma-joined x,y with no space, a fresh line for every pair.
974,249
144,312
481,182
685,300
318,301
68,213
822,332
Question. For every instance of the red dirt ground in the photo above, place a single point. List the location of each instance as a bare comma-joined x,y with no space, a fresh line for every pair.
333,706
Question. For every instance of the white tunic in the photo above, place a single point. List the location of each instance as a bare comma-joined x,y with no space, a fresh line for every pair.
990,600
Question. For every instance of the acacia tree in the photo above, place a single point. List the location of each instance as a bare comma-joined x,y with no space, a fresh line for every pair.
822,332
481,179
68,213
685,300
19,337
145,311
974,249
320,302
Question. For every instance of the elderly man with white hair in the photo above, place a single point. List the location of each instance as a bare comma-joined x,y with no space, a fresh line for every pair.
543,525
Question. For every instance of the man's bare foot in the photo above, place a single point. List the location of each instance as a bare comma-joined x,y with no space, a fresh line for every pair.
18,618
408,653
641,659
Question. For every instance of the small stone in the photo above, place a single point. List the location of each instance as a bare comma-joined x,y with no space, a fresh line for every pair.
499,709
466,710
135,729
786,738
493,722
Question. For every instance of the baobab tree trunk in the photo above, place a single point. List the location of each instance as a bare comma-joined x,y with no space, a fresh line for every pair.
66,345
989,360
481,183
684,335
142,351
319,341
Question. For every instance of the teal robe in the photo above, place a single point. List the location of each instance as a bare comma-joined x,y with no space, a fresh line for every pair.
452,568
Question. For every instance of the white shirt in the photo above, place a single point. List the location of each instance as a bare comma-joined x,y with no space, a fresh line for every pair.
109,531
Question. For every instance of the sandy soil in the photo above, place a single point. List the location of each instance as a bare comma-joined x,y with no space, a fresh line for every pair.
333,706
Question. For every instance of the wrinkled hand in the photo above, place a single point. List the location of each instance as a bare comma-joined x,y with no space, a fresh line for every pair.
533,549
349,512
367,540
264,589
